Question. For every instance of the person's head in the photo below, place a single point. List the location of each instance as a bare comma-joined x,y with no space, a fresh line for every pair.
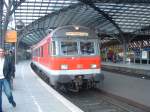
10,52
2,52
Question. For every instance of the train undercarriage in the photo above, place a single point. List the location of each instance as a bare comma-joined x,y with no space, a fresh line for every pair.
77,84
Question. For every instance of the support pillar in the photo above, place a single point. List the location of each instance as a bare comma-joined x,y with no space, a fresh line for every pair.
125,47
1,21
6,22
147,57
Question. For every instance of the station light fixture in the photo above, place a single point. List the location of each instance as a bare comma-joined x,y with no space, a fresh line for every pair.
76,27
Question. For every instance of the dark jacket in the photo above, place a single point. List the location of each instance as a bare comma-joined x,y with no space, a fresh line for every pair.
9,67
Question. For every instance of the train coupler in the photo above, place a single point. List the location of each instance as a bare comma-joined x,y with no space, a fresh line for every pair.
76,84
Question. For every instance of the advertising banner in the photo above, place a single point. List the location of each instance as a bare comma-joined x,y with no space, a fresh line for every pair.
144,55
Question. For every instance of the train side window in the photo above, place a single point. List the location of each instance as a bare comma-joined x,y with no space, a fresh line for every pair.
49,49
34,53
53,48
41,51
38,52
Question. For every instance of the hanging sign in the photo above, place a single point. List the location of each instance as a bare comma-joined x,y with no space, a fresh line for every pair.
11,36
77,34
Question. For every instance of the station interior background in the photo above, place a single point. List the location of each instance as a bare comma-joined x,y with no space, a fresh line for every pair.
122,25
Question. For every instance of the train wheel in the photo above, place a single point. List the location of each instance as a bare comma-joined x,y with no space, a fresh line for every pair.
56,87
61,87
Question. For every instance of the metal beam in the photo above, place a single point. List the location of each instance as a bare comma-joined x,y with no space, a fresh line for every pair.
105,15
9,12
45,2
39,22
23,34
145,29
122,1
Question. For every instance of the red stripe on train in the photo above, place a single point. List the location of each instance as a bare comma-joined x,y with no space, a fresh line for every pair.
72,62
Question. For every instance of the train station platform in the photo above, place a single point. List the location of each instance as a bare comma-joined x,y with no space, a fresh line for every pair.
133,90
33,95
129,68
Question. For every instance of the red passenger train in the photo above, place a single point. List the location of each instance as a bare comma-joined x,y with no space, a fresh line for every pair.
70,57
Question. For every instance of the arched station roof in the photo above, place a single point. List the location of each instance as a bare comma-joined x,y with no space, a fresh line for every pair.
107,17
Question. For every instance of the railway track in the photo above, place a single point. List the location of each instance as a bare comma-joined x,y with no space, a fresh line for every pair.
94,100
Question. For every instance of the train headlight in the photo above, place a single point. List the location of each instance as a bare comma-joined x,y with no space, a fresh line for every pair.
64,66
93,65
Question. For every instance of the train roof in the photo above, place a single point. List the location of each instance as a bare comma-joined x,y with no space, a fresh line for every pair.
43,41
68,31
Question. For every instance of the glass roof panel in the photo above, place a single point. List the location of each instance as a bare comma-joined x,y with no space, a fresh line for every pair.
127,14
35,9
129,17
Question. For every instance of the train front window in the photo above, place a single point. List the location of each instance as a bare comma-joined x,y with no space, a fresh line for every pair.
69,48
87,48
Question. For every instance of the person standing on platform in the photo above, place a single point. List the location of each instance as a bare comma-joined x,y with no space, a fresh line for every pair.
12,56
5,72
